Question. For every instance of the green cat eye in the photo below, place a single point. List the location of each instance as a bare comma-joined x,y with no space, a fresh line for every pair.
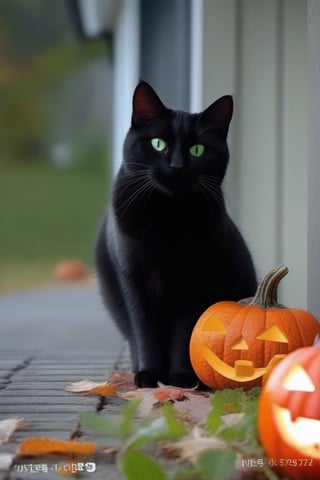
196,150
158,144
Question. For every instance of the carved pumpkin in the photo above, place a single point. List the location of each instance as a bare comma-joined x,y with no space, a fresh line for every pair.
238,343
289,415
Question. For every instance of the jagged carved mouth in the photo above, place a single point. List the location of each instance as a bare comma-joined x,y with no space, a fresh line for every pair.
302,433
243,370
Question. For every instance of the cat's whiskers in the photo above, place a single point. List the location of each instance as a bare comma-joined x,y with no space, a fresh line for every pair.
216,194
143,186
132,178
199,188
137,196
210,186
135,164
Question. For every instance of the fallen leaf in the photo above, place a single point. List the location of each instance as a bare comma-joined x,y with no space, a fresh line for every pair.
9,426
195,409
87,387
147,399
122,380
165,394
231,419
46,446
192,405
193,445
6,461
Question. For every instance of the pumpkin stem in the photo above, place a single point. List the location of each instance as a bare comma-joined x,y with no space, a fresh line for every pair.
267,292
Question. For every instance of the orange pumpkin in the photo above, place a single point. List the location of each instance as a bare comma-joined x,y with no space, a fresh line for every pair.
70,270
238,343
289,415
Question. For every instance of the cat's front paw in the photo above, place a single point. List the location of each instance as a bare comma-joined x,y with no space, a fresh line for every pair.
184,379
146,379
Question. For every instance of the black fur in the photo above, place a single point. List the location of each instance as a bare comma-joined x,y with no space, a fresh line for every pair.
167,249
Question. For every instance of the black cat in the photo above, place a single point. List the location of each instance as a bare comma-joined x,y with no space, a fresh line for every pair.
167,248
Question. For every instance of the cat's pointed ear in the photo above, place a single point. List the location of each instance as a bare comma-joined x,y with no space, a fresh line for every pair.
219,114
146,104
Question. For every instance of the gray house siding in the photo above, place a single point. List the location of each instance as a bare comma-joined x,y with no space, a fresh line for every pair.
165,49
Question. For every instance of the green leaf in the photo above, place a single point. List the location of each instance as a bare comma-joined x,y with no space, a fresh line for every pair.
155,430
244,429
128,413
176,429
216,464
223,402
166,427
107,424
136,465
233,401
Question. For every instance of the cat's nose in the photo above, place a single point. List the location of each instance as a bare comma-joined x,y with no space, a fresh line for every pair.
176,163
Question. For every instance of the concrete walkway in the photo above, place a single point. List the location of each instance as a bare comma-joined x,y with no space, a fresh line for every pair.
56,319
48,339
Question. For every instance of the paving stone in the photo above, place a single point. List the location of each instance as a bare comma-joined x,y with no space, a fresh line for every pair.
62,370
13,390
66,379
3,383
49,424
44,417
75,400
41,408
79,358
59,434
14,359
45,385
33,378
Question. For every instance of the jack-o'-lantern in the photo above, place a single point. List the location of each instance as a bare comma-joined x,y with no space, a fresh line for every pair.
289,415
239,343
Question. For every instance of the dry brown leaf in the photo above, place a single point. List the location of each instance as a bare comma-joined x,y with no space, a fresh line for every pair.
46,446
193,445
195,409
165,394
122,380
87,387
6,461
192,405
9,426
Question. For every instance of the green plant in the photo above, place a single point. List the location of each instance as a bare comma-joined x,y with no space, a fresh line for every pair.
167,448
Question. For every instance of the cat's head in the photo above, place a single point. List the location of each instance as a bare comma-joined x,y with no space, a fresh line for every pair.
178,152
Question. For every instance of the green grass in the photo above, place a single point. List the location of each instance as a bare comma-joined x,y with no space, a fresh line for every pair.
46,214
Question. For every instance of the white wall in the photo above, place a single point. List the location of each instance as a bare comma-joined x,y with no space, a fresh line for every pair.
257,50
126,72
314,158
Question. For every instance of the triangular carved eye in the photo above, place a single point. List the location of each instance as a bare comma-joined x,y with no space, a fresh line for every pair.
298,380
214,324
240,344
273,334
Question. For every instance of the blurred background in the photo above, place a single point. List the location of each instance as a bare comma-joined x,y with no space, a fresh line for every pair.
55,116
68,69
